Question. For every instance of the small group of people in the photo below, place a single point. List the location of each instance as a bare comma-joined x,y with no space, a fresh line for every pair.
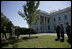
60,32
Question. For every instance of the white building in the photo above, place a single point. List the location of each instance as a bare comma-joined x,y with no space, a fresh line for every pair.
49,21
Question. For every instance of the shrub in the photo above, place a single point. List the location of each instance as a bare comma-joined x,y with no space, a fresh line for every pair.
31,31
26,31
13,39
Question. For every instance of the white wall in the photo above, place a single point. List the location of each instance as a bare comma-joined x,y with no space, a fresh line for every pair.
44,25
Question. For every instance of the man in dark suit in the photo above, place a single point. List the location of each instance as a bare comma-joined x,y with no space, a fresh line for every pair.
62,33
68,31
58,32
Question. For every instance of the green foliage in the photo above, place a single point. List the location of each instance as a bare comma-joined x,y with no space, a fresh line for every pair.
30,31
24,31
9,25
5,24
31,14
4,21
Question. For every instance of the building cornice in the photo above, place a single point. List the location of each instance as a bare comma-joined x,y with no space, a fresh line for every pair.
43,13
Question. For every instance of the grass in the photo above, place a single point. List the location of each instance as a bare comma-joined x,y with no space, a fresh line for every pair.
44,41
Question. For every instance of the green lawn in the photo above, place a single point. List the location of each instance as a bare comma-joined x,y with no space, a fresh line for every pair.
45,41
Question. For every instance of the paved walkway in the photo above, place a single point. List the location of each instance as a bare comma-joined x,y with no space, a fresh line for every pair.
40,34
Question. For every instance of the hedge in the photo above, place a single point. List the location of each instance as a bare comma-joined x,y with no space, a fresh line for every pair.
26,31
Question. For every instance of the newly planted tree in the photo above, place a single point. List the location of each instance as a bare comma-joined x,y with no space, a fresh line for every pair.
31,12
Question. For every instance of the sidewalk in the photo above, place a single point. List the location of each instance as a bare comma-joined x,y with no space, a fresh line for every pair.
40,34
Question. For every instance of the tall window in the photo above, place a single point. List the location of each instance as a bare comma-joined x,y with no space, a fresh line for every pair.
45,19
48,27
48,20
59,18
54,19
41,20
66,24
54,27
65,16
37,28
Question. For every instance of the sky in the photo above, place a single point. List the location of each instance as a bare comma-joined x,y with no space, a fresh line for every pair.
11,8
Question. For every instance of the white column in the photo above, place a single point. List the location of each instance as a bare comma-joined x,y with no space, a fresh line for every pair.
44,25
40,24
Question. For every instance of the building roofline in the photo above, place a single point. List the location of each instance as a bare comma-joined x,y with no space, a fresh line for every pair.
56,12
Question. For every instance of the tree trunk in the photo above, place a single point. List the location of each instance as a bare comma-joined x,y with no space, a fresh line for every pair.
5,36
29,32
29,35
11,34
2,35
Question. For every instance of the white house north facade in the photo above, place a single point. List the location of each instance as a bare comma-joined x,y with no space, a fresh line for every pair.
49,21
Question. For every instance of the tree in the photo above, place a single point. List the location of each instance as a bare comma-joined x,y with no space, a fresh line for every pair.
8,28
4,21
31,14
5,24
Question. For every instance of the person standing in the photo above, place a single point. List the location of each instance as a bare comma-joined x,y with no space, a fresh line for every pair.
62,33
68,31
58,32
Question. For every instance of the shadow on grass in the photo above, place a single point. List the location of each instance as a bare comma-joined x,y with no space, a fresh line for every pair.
13,41
4,44
14,45
27,38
